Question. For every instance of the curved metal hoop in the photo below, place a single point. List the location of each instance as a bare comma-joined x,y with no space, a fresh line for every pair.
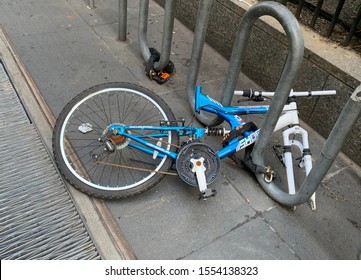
290,70
167,32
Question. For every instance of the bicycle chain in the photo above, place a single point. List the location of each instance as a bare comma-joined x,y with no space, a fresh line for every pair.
135,168
138,168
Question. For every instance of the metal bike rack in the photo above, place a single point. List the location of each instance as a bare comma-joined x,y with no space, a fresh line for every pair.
290,70
341,129
167,32
204,9
295,50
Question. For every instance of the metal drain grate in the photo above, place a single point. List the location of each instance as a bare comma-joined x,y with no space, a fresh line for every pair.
37,217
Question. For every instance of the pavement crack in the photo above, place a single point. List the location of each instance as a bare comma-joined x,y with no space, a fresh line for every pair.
282,239
255,216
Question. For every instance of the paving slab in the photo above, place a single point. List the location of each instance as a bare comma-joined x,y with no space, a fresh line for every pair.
325,234
253,240
169,222
66,62
23,18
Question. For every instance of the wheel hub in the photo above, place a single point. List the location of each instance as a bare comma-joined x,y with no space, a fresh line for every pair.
119,141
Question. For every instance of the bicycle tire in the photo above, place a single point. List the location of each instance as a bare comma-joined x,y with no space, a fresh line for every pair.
81,156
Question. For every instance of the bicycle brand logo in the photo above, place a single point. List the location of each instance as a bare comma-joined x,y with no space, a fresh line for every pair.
250,139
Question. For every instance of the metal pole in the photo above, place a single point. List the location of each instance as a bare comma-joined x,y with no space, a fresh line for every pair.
142,29
204,9
167,32
353,28
167,35
299,8
122,13
335,17
316,13
91,4
332,147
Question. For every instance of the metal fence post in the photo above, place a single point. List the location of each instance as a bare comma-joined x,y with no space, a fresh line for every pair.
353,28
316,13
335,17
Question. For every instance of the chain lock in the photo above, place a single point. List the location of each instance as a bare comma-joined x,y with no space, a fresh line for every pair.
161,76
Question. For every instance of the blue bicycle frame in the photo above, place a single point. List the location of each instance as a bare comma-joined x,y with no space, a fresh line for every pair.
205,103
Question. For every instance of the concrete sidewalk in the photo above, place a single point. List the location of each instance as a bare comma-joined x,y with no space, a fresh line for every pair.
68,48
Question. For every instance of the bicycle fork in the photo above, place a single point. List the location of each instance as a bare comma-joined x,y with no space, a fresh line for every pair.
305,162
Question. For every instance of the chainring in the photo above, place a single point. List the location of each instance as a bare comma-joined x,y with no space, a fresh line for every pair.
197,150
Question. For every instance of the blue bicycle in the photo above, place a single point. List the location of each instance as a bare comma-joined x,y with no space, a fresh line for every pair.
118,139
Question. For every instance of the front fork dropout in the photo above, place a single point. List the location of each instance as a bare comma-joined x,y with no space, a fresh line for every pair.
305,161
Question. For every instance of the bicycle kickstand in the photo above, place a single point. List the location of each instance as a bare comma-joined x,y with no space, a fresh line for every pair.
200,170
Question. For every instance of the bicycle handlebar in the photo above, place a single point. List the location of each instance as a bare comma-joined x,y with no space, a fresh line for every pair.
254,93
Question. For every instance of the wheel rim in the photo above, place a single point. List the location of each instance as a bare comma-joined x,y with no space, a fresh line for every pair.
81,151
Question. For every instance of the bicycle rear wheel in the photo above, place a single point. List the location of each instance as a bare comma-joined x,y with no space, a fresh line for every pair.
81,154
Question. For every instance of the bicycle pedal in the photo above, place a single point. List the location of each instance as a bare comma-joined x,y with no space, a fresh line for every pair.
206,194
